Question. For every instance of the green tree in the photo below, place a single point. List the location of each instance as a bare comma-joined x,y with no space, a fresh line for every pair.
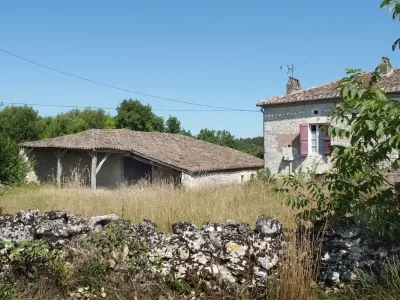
20,123
75,121
252,146
13,168
109,122
173,125
219,137
134,115
186,132
394,6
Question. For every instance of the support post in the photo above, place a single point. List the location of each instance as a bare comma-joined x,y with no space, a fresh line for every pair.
93,170
102,162
59,154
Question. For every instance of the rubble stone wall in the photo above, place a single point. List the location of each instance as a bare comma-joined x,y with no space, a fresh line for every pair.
234,252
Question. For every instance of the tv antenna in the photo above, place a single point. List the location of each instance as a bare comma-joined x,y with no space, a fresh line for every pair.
289,69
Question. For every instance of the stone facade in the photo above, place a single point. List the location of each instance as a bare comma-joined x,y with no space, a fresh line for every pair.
216,178
282,137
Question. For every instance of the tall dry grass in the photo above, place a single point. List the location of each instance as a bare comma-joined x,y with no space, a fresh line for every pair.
161,203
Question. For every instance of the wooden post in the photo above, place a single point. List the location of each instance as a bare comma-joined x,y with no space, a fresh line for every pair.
96,168
59,154
102,162
93,170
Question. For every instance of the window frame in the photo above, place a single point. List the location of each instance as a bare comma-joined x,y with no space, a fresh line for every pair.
319,140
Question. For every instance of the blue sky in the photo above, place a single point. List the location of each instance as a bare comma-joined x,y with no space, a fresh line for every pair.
222,53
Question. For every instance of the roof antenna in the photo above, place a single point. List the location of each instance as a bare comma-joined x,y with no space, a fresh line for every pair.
289,69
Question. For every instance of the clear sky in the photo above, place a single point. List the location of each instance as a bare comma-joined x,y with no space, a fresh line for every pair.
222,53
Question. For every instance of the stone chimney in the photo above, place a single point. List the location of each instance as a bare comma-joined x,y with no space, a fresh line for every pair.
386,67
292,85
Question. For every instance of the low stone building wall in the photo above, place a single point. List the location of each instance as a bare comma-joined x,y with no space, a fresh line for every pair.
216,178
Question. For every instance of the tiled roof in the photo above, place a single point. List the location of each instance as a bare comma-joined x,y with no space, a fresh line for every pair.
389,83
178,151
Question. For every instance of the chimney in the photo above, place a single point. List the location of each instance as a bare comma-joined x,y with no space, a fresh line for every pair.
292,85
386,66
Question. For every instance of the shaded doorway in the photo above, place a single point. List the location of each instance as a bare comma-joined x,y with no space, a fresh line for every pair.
135,170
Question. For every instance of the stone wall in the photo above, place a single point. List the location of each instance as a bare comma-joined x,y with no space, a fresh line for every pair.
233,252
230,253
216,178
281,137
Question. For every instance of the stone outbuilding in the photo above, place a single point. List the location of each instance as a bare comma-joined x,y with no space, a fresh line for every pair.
108,157
293,135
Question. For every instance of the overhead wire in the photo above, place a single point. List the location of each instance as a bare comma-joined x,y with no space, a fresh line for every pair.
123,89
107,108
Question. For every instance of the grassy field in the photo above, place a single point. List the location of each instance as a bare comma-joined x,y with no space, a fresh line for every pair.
162,203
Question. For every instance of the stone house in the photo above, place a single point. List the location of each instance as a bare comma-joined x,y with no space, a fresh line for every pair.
108,157
293,139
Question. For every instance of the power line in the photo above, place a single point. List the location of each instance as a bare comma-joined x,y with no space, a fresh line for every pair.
111,108
119,88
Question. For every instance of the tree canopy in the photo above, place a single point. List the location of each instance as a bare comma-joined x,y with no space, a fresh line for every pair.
134,115
75,121
20,123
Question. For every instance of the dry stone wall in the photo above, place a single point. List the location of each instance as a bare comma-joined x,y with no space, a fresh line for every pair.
222,253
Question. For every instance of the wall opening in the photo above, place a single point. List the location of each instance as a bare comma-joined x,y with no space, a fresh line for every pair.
135,170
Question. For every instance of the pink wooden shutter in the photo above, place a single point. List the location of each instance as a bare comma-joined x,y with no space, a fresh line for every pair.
327,144
303,139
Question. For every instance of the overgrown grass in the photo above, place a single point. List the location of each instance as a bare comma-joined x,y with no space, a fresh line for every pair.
161,203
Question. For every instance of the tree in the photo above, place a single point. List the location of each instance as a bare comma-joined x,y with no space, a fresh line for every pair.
13,168
252,146
173,125
219,137
394,5
134,115
75,121
20,123
186,132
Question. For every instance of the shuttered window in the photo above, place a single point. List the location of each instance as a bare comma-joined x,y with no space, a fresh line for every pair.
314,139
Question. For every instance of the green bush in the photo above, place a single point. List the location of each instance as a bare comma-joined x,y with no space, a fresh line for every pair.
13,167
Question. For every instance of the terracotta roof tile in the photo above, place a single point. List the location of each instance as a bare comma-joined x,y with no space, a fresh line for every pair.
389,83
178,151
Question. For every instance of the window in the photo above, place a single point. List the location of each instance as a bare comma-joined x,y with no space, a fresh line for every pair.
314,140
317,139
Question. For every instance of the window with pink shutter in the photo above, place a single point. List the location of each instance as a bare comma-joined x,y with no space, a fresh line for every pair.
303,139
320,142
